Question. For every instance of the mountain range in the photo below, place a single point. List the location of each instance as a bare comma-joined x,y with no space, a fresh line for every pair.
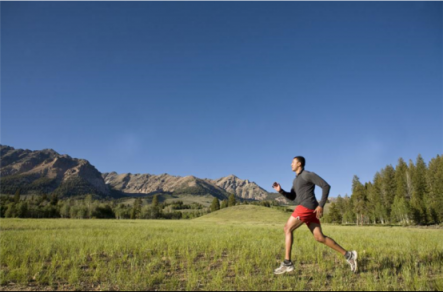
46,171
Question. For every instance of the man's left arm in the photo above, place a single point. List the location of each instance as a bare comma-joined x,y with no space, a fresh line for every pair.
317,180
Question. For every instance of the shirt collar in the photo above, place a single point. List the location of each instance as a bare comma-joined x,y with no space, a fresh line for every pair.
300,172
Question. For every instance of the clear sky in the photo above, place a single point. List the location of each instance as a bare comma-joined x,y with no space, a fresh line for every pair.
217,88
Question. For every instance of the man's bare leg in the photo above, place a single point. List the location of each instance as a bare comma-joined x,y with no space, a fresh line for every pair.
351,256
292,224
287,266
320,237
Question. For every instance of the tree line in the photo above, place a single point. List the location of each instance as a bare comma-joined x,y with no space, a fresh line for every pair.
409,194
50,206
231,201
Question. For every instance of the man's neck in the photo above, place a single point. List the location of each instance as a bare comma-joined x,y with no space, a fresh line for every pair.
298,172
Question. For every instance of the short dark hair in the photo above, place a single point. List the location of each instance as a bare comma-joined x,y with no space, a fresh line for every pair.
302,160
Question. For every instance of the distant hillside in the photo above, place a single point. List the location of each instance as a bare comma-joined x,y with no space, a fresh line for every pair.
47,171
136,184
244,189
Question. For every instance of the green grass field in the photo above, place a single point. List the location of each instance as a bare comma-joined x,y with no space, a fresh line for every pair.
233,249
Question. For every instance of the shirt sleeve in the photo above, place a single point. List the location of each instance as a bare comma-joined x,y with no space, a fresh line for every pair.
290,196
315,179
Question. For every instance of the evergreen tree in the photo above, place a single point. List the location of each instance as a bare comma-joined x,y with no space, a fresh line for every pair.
341,206
54,199
224,204
388,189
334,214
402,196
371,203
17,196
348,216
156,213
215,205
359,200
155,210
22,209
434,179
418,200
401,179
137,210
400,210
231,201
379,209
155,201
44,198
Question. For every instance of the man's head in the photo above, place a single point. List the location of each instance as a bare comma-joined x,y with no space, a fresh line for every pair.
298,163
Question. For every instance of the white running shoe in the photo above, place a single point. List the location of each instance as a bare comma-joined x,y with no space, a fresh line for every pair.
284,268
353,261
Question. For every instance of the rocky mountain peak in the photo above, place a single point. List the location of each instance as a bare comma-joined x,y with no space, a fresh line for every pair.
28,166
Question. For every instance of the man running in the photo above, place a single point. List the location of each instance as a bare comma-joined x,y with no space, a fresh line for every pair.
308,211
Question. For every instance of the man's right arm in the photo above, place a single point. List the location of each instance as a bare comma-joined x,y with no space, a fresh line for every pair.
290,196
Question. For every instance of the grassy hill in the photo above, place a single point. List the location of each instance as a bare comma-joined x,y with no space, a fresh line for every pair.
247,214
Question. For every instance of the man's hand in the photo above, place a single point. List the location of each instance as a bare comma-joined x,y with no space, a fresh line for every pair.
276,186
319,212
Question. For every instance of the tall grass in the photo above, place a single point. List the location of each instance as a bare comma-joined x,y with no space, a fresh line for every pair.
219,252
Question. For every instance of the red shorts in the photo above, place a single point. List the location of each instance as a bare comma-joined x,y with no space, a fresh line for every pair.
305,215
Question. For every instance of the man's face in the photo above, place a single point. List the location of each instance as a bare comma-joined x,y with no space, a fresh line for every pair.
295,164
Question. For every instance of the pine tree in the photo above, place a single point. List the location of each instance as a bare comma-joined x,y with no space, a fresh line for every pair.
379,209
340,204
215,205
348,216
388,187
54,199
400,210
17,196
401,179
22,209
402,196
359,199
155,209
155,201
371,203
434,179
418,201
334,214
231,201
224,204
44,198
439,189
137,209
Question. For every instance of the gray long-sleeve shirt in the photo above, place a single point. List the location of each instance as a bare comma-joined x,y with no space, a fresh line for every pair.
303,190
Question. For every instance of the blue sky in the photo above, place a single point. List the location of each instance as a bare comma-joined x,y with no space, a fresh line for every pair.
217,88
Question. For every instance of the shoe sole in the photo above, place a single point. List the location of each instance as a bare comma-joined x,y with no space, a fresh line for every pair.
287,271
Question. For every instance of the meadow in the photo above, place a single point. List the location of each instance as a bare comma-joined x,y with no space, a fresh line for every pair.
233,249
